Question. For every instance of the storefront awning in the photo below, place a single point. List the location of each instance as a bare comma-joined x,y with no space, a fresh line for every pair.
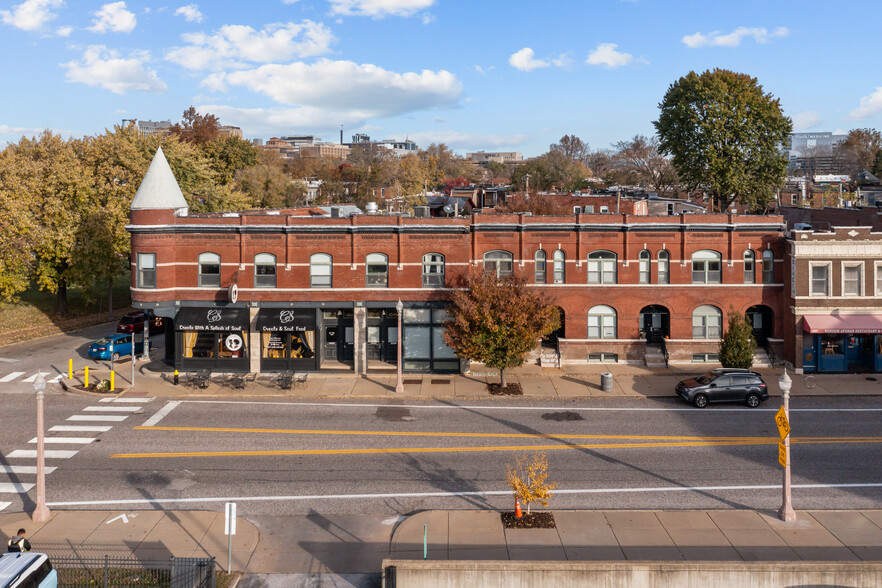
212,319
846,323
286,320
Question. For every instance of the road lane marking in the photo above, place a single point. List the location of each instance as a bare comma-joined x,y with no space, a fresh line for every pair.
161,413
3,505
17,469
49,453
692,409
10,377
107,418
30,379
111,408
449,494
106,400
8,360
133,400
65,440
14,487
80,428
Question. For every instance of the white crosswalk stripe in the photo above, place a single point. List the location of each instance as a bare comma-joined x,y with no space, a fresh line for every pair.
14,488
65,440
17,469
134,400
80,428
111,408
49,453
30,379
107,400
101,418
4,505
10,377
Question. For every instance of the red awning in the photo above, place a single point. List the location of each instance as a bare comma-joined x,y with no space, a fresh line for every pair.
846,323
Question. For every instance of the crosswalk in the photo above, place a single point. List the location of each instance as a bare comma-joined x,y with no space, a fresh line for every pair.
14,376
18,475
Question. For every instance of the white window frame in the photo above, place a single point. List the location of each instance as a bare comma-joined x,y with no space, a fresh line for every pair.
376,279
433,270
860,288
264,260
644,267
605,321
208,258
144,269
559,267
324,262
540,266
828,281
498,258
877,270
705,257
601,267
664,267
702,313
749,258
768,266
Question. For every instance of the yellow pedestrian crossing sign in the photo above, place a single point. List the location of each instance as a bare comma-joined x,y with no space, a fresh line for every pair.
782,454
782,422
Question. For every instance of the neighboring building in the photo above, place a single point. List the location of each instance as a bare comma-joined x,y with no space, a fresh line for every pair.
149,127
495,156
230,131
815,153
332,150
319,292
398,148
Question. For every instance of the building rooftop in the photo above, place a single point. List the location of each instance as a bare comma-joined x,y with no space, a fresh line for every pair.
159,189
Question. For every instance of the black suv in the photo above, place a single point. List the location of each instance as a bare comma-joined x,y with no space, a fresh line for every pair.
724,385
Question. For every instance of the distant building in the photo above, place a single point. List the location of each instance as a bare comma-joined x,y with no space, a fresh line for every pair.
149,127
230,131
495,156
325,150
815,153
398,148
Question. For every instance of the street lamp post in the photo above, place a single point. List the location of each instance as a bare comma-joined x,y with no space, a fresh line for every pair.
785,513
399,387
41,512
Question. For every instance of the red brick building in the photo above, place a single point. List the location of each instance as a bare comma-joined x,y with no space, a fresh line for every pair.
268,290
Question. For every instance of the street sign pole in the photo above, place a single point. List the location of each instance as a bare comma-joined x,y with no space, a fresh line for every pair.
229,531
785,513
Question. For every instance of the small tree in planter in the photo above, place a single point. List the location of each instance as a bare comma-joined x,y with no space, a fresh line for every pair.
737,346
528,479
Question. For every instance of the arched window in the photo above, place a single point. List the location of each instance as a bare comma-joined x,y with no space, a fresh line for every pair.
644,265
539,266
768,267
264,270
749,266
707,267
499,263
601,267
209,270
601,322
707,322
433,270
664,265
560,266
320,270
377,270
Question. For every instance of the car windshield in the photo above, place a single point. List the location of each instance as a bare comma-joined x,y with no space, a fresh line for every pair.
104,341
128,320
706,378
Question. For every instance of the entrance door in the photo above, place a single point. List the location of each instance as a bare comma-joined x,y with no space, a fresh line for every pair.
374,343
859,352
329,343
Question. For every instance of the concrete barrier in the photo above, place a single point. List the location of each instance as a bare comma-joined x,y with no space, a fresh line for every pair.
627,574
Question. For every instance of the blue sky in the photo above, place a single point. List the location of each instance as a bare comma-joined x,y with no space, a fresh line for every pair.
482,74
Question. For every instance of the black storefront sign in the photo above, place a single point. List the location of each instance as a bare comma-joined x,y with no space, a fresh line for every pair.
287,339
212,338
212,319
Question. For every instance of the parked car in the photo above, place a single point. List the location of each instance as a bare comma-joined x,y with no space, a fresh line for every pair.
134,322
114,346
724,385
27,570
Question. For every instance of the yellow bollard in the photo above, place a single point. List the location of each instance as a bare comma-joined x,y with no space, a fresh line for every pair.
70,369
112,373
86,384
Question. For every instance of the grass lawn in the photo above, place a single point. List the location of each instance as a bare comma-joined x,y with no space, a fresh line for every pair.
34,315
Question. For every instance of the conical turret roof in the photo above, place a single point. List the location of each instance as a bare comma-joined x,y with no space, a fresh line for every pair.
159,189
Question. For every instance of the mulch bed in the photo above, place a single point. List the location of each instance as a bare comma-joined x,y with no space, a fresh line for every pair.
535,520
509,390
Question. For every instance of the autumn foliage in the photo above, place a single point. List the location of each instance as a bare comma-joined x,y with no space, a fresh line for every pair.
528,479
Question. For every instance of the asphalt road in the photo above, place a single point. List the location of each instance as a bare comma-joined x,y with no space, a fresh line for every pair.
294,457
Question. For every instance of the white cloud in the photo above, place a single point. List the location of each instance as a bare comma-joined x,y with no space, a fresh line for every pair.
870,105
524,60
190,12
563,60
232,45
803,121
607,56
273,121
105,67
457,140
428,18
379,8
31,15
733,39
115,18
7,130
64,31
290,1
354,91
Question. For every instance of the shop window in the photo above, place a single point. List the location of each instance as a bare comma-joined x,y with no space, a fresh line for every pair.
539,266
706,267
664,264
300,345
831,344
644,265
851,279
264,270
500,263
768,267
146,270
601,267
749,266
233,345
320,270
560,260
377,268
820,280
603,357
433,270
707,322
209,270
601,323
199,344
424,346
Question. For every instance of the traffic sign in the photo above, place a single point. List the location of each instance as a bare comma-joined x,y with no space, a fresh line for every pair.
782,422
782,454
230,519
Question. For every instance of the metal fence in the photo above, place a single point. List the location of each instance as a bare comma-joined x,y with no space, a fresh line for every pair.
115,572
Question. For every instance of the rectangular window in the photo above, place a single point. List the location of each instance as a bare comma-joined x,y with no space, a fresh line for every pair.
663,275
603,357
851,280
878,291
831,344
705,358
146,270
820,280
644,271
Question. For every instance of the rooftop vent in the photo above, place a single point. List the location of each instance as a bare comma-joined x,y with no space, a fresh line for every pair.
272,212
230,215
371,208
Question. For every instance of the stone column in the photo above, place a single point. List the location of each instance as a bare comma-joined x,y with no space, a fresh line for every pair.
253,341
359,324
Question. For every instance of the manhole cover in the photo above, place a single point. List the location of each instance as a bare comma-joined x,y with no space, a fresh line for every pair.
563,416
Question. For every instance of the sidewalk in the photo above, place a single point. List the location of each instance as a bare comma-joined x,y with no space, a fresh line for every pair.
569,382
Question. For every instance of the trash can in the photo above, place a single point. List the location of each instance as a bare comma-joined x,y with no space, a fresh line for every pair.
606,382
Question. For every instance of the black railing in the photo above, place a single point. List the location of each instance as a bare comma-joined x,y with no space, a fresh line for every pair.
116,572
763,341
664,348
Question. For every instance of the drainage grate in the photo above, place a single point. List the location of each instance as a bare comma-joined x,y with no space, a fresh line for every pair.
440,381
413,381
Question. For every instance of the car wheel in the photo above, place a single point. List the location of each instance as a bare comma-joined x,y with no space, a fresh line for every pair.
753,400
700,400
115,356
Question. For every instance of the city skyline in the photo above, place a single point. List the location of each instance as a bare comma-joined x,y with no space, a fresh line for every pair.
484,76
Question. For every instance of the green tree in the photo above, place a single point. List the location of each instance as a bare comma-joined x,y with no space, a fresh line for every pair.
17,227
230,155
737,345
268,184
498,320
723,132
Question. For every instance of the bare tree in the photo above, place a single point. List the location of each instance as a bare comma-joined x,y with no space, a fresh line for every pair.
642,156
571,146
